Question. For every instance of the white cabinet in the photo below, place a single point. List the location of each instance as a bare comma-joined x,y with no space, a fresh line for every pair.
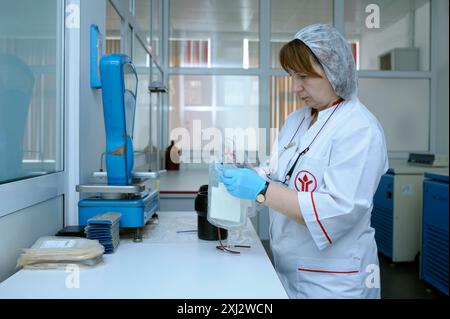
400,59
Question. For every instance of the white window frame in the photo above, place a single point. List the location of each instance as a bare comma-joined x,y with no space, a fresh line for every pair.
18,195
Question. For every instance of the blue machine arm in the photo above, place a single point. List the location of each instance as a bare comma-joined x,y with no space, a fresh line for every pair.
119,85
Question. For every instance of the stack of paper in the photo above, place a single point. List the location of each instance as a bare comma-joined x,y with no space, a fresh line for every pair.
105,228
52,252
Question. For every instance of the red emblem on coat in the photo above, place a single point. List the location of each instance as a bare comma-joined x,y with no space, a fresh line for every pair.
305,182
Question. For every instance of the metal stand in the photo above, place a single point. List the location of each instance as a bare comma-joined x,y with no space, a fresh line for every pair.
137,236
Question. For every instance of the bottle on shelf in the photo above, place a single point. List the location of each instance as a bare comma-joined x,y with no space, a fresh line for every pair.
172,157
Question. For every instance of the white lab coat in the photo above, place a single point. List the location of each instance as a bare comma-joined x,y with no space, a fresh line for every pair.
334,255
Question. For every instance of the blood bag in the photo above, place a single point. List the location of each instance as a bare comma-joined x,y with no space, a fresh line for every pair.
225,210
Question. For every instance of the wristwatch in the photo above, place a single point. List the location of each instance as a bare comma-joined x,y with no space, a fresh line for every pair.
261,197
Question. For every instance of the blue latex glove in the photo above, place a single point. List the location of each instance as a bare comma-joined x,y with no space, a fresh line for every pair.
242,182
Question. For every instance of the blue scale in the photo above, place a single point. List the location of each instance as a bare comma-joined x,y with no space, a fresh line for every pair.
135,202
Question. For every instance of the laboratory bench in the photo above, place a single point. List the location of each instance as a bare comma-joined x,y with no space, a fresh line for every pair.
168,263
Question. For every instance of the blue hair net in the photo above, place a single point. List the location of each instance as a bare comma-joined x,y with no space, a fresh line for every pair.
333,52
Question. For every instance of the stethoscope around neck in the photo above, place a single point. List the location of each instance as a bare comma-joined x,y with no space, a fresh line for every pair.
292,144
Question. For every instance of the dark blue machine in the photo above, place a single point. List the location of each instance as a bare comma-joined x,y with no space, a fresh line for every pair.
382,214
435,236
136,205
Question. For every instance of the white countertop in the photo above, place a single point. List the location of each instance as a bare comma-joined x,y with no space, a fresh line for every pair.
403,167
165,265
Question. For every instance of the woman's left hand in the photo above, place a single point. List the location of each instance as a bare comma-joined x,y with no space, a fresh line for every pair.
243,183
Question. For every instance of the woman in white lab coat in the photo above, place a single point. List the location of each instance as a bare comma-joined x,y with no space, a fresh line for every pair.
320,181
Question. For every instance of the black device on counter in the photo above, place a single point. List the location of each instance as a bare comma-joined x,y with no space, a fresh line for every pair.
421,158
428,159
72,231
205,229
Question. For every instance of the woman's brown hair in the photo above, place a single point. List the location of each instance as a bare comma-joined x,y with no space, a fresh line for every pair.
295,56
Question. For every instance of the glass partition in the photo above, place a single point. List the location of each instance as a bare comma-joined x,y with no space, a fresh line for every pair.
214,33
156,29
142,17
289,16
142,119
127,5
113,35
282,100
389,35
212,104
31,121
141,60
129,41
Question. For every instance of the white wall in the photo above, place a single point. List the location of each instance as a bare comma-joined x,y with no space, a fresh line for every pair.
422,35
92,129
378,42
402,107
86,133
442,54
22,228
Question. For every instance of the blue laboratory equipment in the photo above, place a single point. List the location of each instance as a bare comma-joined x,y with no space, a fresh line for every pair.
96,53
397,210
435,235
125,191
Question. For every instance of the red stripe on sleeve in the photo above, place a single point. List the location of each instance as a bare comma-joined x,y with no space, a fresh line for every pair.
317,218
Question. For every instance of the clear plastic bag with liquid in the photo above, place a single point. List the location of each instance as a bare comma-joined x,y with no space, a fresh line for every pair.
225,210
